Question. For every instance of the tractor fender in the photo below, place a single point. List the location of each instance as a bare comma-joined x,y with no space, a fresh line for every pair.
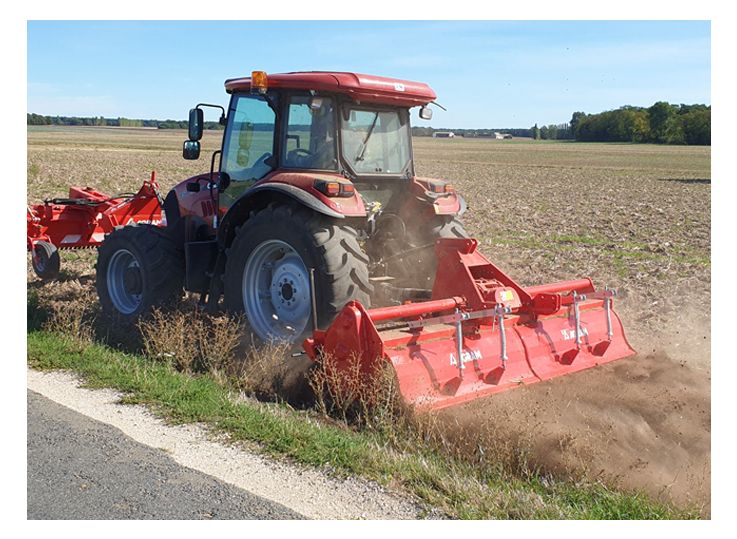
259,197
463,204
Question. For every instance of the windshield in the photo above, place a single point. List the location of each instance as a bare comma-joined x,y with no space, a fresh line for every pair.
375,141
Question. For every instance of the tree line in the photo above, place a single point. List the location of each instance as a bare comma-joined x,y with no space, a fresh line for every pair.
38,119
471,133
662,123
546,132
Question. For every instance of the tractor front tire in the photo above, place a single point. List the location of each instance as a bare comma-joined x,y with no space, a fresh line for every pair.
138,267
267,271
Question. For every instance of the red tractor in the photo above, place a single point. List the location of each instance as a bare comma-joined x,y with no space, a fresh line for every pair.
312,212
314,189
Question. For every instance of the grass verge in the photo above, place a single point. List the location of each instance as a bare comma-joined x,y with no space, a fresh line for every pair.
459,488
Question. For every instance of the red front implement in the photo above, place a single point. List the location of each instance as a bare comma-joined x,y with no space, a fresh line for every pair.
83,219
481,332
86,216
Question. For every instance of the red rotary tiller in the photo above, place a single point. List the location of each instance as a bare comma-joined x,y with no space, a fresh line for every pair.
83,219
481,332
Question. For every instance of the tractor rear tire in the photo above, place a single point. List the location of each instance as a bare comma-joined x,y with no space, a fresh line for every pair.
447,227
45,260
267,271
441,227
138,267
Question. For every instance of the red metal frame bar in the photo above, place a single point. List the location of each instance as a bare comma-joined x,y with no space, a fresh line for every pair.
88,215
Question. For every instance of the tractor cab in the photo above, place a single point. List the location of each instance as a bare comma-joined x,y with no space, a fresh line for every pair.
353,126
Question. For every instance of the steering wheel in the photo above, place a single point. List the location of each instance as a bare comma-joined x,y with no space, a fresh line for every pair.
299,155
261,160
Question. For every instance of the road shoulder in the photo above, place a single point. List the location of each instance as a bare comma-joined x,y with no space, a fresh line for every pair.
308,492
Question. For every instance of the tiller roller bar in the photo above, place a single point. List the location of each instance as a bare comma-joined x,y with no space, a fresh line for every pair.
481,332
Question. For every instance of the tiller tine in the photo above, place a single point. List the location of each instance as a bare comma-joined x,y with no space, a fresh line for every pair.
481,333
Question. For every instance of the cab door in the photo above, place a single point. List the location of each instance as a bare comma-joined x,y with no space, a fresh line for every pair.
249,145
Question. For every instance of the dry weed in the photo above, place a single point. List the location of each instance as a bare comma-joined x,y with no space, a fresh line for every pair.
363,395
191,340
219,342
262,371
171,337
73,319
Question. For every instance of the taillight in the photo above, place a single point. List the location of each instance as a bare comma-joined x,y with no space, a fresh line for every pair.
335,189
436,187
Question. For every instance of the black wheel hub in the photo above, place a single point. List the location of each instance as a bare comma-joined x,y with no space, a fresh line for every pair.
287,291
132,280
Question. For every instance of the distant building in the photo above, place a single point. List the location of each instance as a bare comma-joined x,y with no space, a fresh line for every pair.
502,136
443,134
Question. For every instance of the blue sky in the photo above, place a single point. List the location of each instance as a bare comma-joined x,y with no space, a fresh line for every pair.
487,74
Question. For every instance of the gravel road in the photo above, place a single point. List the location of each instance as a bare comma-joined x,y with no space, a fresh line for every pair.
119,461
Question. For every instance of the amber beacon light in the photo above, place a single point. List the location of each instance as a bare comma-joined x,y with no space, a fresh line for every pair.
259,82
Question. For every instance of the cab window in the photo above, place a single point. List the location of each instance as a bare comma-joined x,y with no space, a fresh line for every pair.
310,134
375,141
250,139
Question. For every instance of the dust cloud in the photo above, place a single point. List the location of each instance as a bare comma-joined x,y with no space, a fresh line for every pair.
640,423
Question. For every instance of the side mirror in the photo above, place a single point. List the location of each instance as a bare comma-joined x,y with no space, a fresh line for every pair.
191,149
426,113
196,124
223,181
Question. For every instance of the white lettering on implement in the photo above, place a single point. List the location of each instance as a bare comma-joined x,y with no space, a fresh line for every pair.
144,221
71,238
570,334
399,87
466,356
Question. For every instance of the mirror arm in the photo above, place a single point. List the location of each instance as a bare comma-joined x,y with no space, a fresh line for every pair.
222,110
212,167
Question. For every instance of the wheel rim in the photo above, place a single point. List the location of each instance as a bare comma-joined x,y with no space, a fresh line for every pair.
39,259
125,282
276,292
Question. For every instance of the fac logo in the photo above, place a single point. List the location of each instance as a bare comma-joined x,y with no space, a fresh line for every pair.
570,334
466,356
